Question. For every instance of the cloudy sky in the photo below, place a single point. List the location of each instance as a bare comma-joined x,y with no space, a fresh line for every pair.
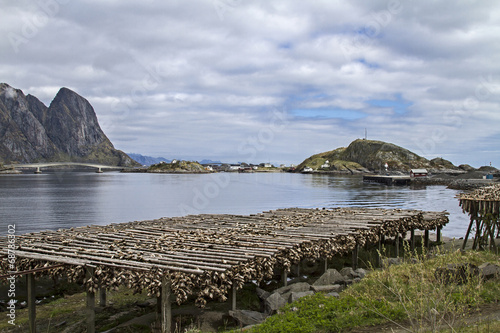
261,81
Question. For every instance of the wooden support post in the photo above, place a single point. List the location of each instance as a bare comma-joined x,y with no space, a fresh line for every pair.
438,235
102,296
284,277
468,232
158,306
30,279
326,265
412,239
90,302
166,304
233,297
355,256
297,273
396,241
426,239
379,252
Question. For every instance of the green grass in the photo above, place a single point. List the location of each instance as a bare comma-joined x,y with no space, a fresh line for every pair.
408,294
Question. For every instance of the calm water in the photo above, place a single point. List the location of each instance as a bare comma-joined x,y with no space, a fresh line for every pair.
69,199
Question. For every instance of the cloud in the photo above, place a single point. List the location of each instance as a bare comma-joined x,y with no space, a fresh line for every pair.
202,79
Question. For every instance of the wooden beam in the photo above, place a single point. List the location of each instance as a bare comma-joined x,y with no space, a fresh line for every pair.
426,239
31,271
90,302
166,304
468,232
31,301
355,256
412,239
396,241
438,235
284,277
233,297
102,296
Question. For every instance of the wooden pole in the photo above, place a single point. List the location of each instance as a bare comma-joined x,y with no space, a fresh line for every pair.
379,252
396,240
438,235
31,301
158,306
233,298
102,296
468,232
412,239
90,303
166,304
326,265
284,277
426,239
355,256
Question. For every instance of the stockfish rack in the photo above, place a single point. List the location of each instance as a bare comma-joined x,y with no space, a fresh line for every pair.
483,207
209,256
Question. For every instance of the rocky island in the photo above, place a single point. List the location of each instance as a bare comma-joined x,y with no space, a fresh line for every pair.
371,157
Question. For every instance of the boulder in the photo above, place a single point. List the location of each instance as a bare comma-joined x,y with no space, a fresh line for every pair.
263,295
489,271
247,317
348,273
296,287
331,276
333,294
295,296
327,288
386,262
456,273
273,303
361,272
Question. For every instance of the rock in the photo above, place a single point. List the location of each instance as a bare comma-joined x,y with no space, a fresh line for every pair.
293,288
386,262
263,295
456,273
295,296
361,272
348,272
333,294
247,317
489,271
67,130
328,288
273,303
331,276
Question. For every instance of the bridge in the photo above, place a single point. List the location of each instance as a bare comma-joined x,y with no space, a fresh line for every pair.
38,166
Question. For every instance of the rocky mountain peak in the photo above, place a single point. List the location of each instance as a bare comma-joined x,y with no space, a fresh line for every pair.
67,130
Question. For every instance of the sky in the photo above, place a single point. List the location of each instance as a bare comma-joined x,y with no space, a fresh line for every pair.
267,81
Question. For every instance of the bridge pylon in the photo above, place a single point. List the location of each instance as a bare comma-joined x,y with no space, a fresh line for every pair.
38,171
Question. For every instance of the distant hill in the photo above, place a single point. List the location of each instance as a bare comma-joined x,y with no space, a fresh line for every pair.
370,155
147,160
66,131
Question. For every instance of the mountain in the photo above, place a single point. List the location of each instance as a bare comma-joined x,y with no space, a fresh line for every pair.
67,130
147,160
370,155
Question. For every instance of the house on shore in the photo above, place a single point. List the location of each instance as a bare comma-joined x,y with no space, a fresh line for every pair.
415,173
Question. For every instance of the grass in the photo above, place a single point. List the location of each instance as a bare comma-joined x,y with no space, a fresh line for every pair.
408,295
